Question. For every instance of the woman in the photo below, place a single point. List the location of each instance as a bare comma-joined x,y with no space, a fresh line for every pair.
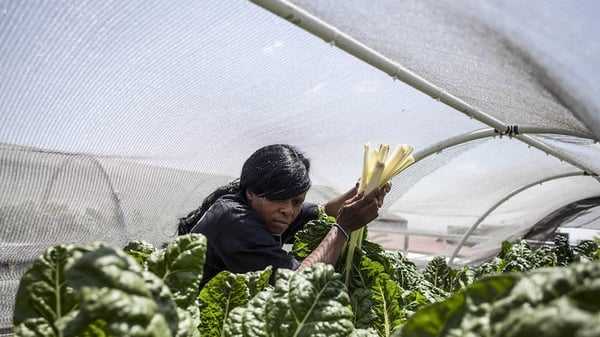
248,221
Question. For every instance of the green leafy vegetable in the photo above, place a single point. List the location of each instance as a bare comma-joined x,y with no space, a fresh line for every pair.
116,292
225,292
438,273
309,302
43,296
180,266
389,314
98,290
249,320
586,250
563,250
220,295
309,238
362,304
258,281
557,301
139,250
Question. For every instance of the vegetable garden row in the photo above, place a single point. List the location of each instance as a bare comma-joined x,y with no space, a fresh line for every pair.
97,290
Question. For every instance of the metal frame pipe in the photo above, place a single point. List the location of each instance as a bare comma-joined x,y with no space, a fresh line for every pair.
332,35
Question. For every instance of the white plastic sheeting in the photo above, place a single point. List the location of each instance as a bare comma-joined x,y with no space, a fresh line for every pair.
116,118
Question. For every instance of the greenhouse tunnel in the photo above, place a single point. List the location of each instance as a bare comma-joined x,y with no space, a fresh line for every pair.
118,118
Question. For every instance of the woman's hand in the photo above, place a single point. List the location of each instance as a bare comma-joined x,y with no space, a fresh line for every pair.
362,209
354,212
383,191
333,206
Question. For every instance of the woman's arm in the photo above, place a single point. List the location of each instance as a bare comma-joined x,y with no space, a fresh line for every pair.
353,214
333,206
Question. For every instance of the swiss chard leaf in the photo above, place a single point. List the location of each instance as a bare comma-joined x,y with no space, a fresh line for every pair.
586,250
462,314
362,305
218,297
438,273
544,256
406,272
140,250
309,238
180,266
551,302
309,302
388,313
554,302
44,296
488,268
248,320
563,250
258,281
519,257
364,333
460,278
119,298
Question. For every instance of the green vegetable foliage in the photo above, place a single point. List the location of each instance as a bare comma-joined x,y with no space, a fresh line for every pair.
98,290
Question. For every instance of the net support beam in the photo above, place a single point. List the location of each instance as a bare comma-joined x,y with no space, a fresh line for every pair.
483,133
470,231
334,36
453,141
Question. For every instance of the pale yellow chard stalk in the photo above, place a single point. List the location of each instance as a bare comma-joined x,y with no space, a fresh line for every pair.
378,170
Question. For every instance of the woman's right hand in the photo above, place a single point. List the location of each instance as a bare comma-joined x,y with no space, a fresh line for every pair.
361,209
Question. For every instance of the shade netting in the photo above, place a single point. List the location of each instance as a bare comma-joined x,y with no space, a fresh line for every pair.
117,118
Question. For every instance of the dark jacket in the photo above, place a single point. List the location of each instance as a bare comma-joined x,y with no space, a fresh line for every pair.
239,242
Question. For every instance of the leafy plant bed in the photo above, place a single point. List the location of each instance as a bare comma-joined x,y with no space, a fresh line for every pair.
97,290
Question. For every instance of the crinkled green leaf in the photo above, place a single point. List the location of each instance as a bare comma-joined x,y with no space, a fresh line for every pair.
388,313
187,325
35,327
218,297
519,257
466,307
563,250
140,250
591,328
413,300
438,273
115,290
406,272
309,302
309,238
180,266
551,302
460,278
362,307
366,271
543,286
555,319
488,268
586,250
248,320
544,256
257,281
43,296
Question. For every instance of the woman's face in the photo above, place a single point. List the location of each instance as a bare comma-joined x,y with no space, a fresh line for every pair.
277,215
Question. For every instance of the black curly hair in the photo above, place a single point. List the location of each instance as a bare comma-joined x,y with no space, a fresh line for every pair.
276,172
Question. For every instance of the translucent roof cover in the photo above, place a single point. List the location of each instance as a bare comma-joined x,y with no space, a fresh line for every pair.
117,118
